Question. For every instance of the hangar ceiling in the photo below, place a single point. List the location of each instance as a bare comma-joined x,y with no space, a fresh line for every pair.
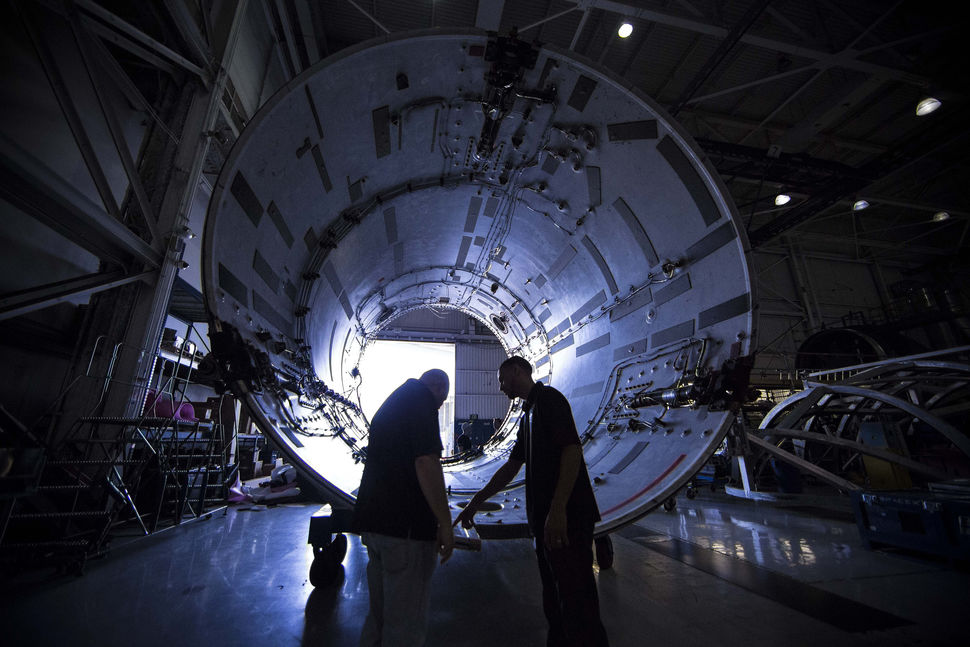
815,99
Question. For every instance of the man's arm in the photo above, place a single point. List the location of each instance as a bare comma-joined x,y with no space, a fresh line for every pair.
432,482
499,480
569,462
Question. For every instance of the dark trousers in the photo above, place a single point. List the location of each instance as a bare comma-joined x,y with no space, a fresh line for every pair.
569,596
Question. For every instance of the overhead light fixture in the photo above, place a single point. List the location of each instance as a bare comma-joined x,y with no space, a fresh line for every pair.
940,216
625,30
927,105
860,205
782,199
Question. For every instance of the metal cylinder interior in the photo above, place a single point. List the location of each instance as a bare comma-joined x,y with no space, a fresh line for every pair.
516,183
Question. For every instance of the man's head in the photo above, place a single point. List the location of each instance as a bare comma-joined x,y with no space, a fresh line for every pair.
515,377
437,382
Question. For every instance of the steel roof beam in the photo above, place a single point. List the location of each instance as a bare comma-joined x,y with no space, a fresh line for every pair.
24,301
785,47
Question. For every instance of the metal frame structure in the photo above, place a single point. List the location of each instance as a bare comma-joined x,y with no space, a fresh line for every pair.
921,402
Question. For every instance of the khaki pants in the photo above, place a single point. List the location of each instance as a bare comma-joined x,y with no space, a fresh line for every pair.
399,580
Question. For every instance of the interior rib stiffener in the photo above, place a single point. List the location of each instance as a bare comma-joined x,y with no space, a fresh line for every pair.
513,182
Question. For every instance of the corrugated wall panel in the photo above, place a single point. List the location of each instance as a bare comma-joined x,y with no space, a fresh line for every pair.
484,406
479,356
476,381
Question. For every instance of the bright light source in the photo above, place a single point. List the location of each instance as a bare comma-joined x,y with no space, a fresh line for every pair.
860,205
940,216
926,106
625,30
387,364
782,198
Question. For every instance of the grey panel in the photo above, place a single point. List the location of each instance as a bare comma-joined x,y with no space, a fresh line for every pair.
266,272
466,242
689,176
560,263
528,330
517,309
630,457
355,190
479,241
490,206
545,314
280,222
542,360
597,300
632,130
381,118
540,281
474,206
594,186
711,242
581,93
672,289
561,327
310,239
246,197
640,299
546,69
633,223
399,258
321,168
390,225
290,290
595,344
232,285
731,308
600,263
345,303
629,350
667,335
550,165
269,313
290,435
333,334
313,111
332,277
562,345
587,389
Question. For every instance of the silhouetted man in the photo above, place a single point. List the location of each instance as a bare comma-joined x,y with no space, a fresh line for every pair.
402,512
560,505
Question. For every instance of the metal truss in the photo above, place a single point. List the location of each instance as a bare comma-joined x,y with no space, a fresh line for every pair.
918,407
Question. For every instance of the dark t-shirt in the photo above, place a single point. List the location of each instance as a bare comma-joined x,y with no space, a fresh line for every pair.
552,428
390,501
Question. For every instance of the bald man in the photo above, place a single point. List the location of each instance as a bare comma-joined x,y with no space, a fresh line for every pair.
402,511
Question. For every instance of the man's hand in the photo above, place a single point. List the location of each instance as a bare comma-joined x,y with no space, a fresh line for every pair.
555,530
446,541
467,516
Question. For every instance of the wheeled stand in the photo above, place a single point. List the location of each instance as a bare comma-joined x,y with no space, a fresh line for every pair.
329,543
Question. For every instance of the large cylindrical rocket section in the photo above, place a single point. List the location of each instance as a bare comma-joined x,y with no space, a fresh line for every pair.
518,184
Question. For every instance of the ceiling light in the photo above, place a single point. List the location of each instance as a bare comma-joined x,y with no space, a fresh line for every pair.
926,106
782,198
860,205
940,216
625,30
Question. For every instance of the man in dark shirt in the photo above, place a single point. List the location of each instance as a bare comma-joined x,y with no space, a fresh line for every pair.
560,505
402,511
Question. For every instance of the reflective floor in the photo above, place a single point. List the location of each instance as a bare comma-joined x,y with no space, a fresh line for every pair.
715,571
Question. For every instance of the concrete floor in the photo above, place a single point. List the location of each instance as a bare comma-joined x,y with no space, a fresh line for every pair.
715,571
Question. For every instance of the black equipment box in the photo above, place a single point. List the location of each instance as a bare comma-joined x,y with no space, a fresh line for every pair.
928,521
